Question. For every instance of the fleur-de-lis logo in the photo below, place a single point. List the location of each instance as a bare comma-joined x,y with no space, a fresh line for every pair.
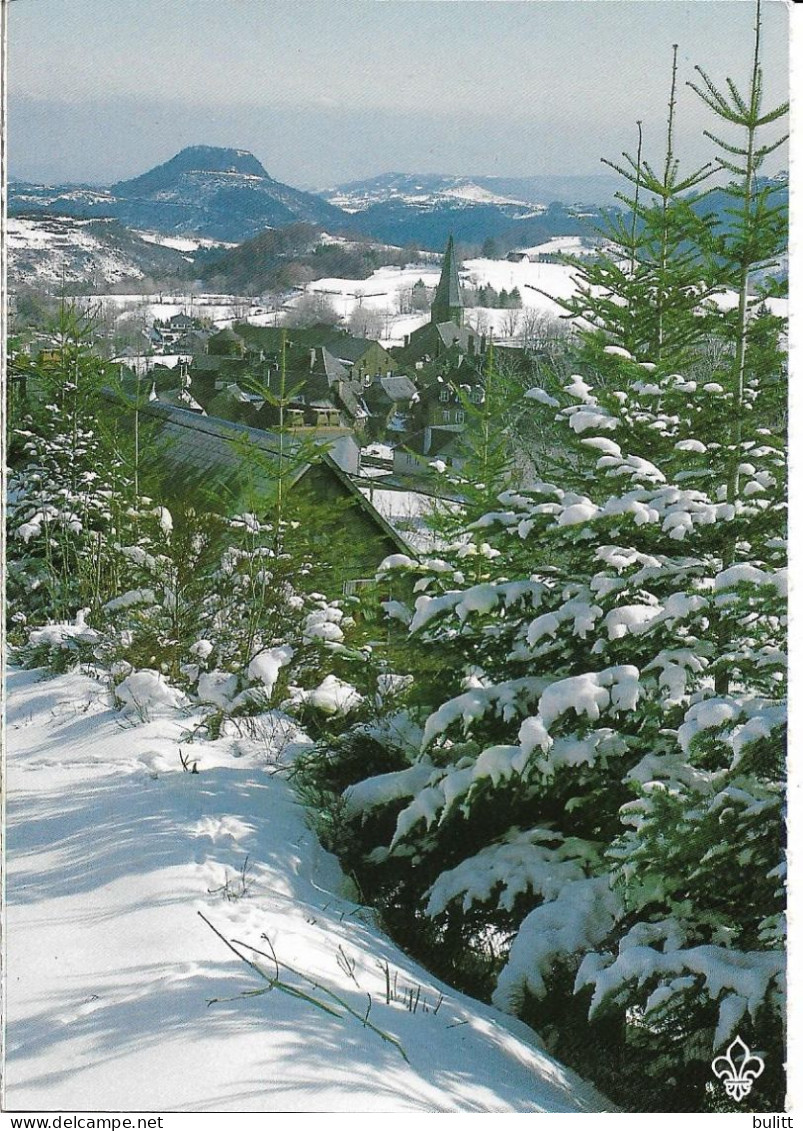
737,1069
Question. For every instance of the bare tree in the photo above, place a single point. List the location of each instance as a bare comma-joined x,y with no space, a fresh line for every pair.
510,323
478,320
540,330
367,322
311,308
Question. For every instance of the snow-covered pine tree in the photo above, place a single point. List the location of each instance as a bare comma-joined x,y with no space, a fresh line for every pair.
598,813
72,498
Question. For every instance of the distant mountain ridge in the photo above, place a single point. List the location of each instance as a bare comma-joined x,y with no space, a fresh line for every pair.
537,190
426,209
226,194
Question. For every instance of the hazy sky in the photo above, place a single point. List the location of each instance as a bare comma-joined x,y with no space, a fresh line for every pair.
323,91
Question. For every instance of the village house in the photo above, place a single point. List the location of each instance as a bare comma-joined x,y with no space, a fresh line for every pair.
238,466
165,335
320,380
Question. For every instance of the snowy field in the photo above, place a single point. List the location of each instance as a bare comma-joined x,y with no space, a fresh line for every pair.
382,291
219,309
180,243
112,852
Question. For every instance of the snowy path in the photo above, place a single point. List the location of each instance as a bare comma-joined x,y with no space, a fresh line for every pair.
111,852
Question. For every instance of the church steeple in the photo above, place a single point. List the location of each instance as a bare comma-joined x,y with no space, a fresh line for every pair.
447,305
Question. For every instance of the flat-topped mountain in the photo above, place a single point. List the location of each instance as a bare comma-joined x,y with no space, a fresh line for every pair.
224,194
194,160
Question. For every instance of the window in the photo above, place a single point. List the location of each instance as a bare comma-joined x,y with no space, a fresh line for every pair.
446,395
446,416
459,416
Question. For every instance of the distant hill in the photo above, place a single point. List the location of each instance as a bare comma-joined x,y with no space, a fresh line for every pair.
218,193
193,161
425,209
225,194
415,188
286,258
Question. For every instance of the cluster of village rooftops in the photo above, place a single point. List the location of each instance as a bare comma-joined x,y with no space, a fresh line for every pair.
321,379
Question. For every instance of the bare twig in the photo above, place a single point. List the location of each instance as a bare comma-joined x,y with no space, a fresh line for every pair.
275,983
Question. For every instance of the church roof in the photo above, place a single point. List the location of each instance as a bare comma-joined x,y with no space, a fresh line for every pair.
448,296
432,340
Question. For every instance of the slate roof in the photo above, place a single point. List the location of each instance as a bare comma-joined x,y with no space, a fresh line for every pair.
182,321
180,397
348,348
353,404
208,362
335,371
270,337
227,335
433,339
448,300
205,447
399,388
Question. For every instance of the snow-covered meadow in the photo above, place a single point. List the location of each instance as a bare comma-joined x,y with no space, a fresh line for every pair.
115,851
539,285
381,297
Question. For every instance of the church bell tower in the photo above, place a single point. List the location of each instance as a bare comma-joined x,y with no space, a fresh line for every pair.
447,305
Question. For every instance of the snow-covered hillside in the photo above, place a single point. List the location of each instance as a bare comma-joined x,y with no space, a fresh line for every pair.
188,244
120,996
561,245
48,250
537,190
